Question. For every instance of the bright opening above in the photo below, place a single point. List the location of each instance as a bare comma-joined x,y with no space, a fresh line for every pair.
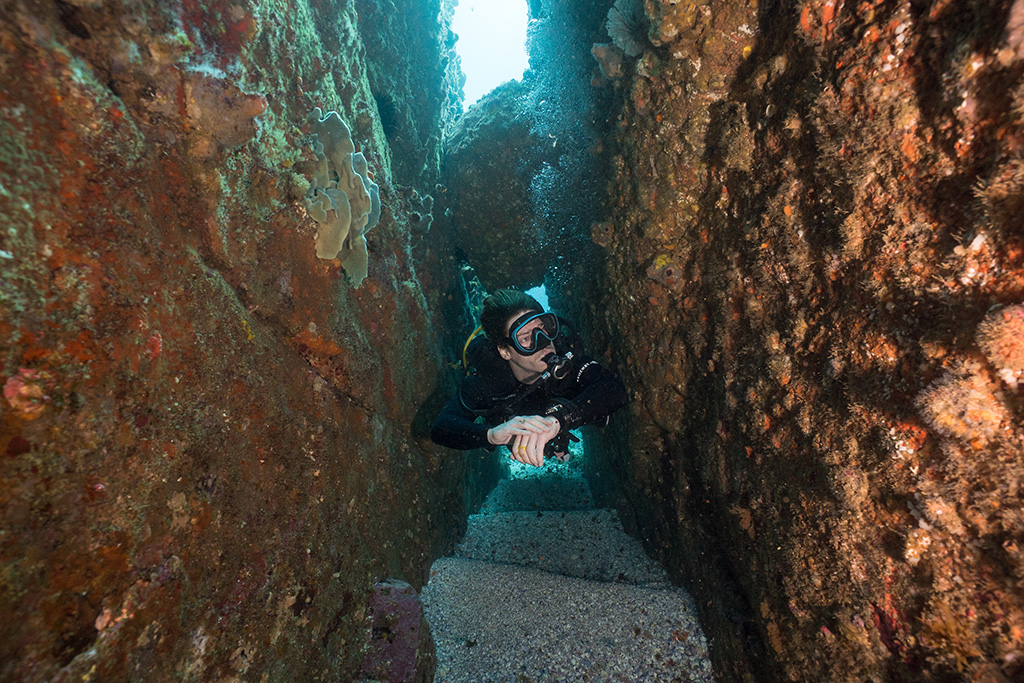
541,295
491,45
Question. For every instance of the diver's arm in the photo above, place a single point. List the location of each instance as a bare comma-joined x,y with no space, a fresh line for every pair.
601,393
455,428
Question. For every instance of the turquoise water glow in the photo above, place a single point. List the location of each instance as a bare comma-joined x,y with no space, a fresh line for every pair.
541,295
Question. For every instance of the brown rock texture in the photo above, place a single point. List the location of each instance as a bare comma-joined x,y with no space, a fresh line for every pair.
808,267
490,161
211,445
813,283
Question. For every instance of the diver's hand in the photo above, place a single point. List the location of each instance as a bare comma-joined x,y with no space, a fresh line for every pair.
529,448
517,426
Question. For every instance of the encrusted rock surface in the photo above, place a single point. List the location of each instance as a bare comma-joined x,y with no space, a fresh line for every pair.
211,445
401,648
415,80
825,436
521,166
490,162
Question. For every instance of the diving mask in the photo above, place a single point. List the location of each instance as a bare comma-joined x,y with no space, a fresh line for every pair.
532,331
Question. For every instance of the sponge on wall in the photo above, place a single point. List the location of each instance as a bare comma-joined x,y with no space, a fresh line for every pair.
342,198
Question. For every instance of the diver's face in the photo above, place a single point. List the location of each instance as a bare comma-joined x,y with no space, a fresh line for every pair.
525,368
524,337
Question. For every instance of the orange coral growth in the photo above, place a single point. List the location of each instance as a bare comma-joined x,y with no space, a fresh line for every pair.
964,405
26,393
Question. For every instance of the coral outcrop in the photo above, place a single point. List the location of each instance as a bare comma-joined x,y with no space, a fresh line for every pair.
342,198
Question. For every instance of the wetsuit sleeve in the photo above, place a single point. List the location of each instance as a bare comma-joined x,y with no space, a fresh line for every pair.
455,428
599,393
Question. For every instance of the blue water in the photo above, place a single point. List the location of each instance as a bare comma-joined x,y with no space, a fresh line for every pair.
541,295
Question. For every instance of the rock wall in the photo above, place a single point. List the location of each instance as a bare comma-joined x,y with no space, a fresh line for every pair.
569,119
813,286
524,167
490,161
416,57
212,445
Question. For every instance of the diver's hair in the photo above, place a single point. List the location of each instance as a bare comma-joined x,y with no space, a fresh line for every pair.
501,306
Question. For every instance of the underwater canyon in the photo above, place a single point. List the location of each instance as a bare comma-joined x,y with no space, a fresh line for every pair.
235,287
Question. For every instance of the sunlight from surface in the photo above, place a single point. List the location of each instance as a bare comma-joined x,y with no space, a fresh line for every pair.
541,295
492,43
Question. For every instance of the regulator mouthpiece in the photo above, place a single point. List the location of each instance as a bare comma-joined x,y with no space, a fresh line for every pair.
558,365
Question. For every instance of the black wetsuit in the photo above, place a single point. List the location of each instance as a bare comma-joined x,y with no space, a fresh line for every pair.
586,395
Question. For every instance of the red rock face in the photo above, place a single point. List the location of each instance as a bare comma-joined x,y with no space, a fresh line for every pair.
397,627
212,445
826,429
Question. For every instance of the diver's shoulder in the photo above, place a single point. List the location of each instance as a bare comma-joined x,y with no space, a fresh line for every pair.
482,356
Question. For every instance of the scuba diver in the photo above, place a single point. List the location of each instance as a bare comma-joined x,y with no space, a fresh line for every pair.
529,381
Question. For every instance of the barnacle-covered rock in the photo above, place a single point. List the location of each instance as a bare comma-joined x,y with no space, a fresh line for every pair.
964,404
1001,336
684,20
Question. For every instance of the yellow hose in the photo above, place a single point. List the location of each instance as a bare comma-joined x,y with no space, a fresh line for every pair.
471,337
